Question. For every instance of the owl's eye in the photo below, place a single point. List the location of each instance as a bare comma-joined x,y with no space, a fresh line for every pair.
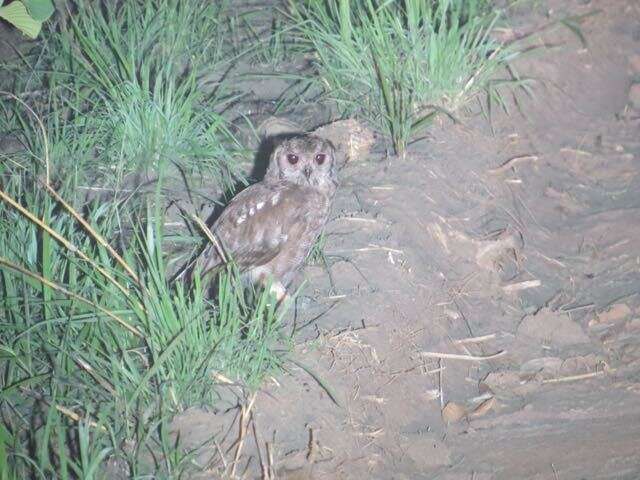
292,158
320,158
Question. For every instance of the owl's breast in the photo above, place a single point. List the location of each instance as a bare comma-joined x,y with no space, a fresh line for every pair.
272,219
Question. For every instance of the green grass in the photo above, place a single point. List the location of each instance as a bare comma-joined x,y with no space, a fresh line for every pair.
271,40
397,64
135,86
100,350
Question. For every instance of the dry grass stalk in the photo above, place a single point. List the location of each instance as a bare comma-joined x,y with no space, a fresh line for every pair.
222,379
516,287
77,418
440,383
67,207
468,358
66,243
479,339
264,468
42,129
211,237
311,447
272,472
64,410
64,291
512,162
359,219
90,370
484,408
245,412
575,151
572,378
374,248
96,236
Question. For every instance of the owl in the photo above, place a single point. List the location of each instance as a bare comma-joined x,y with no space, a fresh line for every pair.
269,228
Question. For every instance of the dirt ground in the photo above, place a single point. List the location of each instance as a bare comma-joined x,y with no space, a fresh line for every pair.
514,252
481,319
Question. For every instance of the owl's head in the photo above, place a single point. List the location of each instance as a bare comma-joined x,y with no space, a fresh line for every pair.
305,160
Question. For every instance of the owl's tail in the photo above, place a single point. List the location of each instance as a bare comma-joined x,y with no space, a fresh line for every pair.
207,263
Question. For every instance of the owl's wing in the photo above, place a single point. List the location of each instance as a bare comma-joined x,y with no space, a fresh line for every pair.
257,223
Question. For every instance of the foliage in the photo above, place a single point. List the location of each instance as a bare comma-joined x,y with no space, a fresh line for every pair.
99,349
135,87
27,15
399,63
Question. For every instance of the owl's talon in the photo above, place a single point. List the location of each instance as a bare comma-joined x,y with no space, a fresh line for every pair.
278,290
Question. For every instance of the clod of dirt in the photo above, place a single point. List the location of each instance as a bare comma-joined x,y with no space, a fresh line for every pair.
453,412
634,64
633,325
427,452
484,408
276,126
498,256
547,366
614,314
352,140
566,203
350,137
490,253
583,364
634,95
504,383
552,328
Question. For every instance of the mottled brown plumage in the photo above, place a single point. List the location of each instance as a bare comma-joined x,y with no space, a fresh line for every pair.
269,228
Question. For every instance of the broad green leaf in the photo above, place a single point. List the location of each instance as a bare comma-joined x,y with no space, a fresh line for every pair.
40,10
16,14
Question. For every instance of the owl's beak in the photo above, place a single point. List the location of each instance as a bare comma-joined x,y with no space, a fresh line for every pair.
307,171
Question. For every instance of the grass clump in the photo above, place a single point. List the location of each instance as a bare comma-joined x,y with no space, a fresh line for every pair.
398,63
135,86
98,350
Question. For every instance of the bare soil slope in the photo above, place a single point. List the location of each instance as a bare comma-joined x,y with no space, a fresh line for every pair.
516,250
